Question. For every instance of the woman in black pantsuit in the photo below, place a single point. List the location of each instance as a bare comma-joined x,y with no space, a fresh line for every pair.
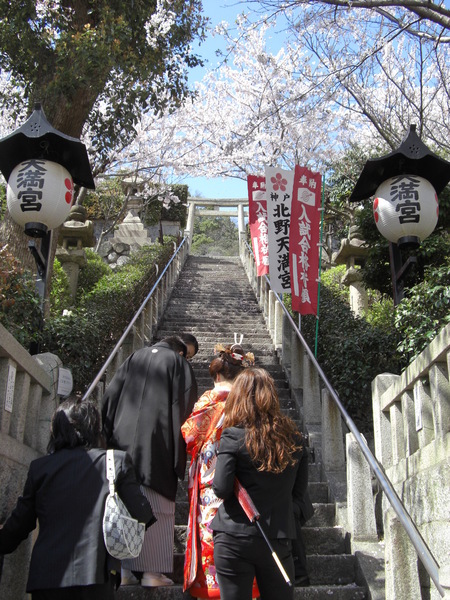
262,448
65,492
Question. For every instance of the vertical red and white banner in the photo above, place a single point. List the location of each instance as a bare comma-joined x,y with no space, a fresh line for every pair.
279,184
304,240
257,216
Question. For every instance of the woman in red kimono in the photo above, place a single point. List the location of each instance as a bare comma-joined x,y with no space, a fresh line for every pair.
202,433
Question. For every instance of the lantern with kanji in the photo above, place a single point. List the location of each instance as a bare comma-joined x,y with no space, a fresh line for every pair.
406,209
39,195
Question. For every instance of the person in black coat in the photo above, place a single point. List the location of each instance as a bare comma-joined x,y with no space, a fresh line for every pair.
149,398
65,492
262,449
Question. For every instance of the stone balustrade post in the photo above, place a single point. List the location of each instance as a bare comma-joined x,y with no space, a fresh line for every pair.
271,313
333,451
381,421
278,326
312,412
286,349
360,502
402,579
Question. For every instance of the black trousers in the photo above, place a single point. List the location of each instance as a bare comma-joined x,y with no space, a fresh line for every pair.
239,559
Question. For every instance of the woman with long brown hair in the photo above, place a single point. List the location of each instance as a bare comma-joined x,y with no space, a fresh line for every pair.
201,432
262,448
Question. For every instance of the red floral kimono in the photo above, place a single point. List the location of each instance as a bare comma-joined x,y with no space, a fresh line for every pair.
202,432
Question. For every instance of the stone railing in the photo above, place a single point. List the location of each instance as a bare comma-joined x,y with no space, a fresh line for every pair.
412,441
144,323
348,465
28,388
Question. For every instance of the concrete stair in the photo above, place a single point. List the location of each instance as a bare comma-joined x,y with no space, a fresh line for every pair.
212,300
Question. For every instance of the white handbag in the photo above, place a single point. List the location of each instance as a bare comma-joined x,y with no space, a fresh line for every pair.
123,535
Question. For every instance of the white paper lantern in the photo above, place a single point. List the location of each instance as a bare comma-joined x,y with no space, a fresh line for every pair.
405,206
39,192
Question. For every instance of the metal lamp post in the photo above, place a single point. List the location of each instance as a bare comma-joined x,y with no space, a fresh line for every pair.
405,185
41,165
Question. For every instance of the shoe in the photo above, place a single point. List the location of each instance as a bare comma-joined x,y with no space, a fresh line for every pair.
302,581
155,580
127,578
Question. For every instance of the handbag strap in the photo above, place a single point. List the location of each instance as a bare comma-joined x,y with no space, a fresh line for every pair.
110,471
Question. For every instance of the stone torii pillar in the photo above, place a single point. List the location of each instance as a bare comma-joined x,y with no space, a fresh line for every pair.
222,207
189,231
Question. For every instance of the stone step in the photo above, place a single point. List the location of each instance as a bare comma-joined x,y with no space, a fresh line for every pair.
318,540
335,592
323,571
213,300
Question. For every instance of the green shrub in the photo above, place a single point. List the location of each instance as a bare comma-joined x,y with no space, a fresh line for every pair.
60,297
91,273
84,338
20,304
424,311
351,352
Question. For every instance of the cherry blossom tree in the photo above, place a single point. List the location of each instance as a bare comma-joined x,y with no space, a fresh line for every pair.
327,90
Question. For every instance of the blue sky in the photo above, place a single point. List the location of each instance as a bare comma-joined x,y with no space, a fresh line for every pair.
217,11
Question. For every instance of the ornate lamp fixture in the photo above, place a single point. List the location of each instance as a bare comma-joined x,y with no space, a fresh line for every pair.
406,184
41,164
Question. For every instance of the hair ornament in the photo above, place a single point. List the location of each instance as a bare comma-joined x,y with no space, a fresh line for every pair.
240,339
247,359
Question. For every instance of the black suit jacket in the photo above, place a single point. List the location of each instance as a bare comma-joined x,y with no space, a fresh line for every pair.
143,408
272,493
66,492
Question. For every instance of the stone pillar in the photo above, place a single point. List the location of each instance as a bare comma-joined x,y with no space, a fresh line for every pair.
381,419
189,232
402,578
333,454
241,220
360,504
312,412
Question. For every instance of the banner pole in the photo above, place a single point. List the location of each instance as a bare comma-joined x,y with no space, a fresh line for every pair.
322,210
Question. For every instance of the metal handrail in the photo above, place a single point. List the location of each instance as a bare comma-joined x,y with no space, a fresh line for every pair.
130,325
428,560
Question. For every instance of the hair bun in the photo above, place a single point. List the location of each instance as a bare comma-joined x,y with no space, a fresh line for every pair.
235,355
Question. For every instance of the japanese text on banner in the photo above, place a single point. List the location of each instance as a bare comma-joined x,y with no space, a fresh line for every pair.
304,240
279,185
257,213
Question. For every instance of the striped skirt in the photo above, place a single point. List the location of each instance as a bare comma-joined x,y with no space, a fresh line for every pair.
157,551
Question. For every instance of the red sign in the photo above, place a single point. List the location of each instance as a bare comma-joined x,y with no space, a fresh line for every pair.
257,215
304,240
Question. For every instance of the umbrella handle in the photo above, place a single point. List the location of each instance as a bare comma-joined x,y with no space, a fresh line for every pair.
253,516
274,555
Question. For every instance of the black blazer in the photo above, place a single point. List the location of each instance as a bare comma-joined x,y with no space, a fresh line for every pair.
272,493
66,493
149,398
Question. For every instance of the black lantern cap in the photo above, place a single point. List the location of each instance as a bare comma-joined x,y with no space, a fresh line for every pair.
412,157
36,138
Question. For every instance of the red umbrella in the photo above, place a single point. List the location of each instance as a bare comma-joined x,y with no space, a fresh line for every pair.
253,515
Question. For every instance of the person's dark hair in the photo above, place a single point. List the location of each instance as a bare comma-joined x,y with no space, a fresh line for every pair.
229,362
188,338
271,438
176,344
75,423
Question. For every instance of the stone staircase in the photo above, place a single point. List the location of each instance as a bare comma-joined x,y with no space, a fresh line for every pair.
213,300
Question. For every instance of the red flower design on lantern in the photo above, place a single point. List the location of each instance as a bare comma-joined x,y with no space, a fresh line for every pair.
279,183
69,186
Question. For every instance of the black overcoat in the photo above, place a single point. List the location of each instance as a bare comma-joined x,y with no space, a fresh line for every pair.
143,408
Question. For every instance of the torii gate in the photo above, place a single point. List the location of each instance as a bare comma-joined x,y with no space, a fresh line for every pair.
236,206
